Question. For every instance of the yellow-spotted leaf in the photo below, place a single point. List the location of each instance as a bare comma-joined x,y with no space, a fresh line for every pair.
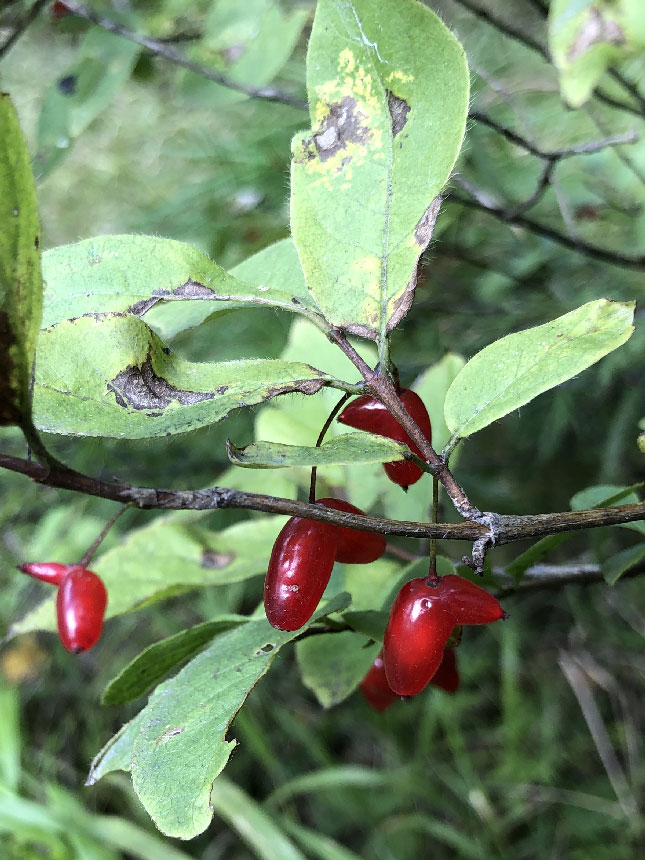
388,97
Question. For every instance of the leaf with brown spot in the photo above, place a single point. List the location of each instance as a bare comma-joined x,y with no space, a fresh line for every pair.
585,39
20,278
134,274
388,98
110,375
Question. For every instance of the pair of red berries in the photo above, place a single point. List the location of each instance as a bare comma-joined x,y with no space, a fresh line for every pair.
305,551
366,413
421,622
80,602
422,619
302,560
379,695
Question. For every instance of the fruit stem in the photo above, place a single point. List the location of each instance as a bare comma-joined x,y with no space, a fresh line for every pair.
433,579
89,555
334,412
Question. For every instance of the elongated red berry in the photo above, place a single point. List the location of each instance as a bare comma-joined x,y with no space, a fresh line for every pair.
59,9
299,569
366,413
416,633
80,607
468,602
353,546
375,688
46,571
447,676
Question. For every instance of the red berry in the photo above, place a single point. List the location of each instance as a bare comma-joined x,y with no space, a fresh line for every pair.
468,602
417,631
375,688
353,546
80,607
299,569
366,413
46,571
59,9
447,676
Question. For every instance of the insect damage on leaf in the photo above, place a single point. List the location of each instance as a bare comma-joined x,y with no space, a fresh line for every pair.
217,560
596,29
341,126
189,290
425,225
168,734
345,124
399,110
140,388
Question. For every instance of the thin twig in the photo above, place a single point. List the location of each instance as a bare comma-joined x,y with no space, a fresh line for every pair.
529,42
542,184
89,555
510,529
314,470
584,148
580,246
164,49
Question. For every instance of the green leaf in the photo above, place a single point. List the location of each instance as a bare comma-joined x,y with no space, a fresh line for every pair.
20,279
370,584
331,779
388,97
586,37
369,622
110,375
9,737
135,273
133,840
332,665
515,369
168,557
116,753
184,725
617,565
346,450
317,844
155,662
533,554
605,495
105,62
252,823
250,42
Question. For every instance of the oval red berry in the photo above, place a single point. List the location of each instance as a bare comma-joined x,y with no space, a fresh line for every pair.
299,569
417,631
375,688
366,413
47,571
353,546
469,602
80,607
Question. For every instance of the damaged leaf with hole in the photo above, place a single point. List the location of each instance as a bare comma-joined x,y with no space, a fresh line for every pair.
136,274
388,108
137,389
586,39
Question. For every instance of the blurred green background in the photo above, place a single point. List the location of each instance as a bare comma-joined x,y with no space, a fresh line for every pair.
540,753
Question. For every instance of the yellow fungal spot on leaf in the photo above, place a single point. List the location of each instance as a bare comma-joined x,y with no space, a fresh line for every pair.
398,75
347,60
